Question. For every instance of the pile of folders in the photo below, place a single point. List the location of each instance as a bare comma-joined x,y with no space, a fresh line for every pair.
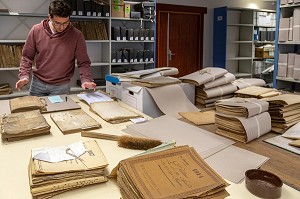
47,178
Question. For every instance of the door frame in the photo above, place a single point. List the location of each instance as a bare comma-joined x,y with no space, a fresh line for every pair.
160,7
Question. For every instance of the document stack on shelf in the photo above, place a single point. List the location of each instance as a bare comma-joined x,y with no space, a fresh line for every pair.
59,169
284,111
17,126
242,119
5,89
173,173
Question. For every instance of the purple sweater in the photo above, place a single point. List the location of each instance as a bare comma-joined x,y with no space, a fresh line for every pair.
55,55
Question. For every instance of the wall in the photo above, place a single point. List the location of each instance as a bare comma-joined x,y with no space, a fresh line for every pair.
41,6
208,21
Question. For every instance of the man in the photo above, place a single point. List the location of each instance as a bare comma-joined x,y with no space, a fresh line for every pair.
54,44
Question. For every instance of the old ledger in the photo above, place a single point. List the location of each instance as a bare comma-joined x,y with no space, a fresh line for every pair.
74,121
26,103
16,126
284,111
113,112
47,179
174,173
242,107
243,129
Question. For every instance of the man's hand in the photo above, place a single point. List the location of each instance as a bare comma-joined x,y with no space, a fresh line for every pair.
21,83
87,85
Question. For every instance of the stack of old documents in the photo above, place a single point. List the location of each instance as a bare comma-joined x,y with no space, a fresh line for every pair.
174,173
59,169
212,84
5,89
17,126
242,119
113,111
26,103
246,82
257,92
284,110
74,121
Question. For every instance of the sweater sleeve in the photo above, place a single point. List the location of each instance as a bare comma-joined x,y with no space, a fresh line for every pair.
28,54
83,60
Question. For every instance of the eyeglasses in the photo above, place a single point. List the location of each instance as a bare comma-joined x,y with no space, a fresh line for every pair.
66,23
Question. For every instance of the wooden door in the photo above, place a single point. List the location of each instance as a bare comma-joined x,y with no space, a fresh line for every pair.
179,37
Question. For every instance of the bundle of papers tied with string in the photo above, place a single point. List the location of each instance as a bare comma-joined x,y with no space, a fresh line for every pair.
17,126
54,170
242,119
284,111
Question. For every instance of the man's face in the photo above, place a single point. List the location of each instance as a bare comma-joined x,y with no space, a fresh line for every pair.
59,23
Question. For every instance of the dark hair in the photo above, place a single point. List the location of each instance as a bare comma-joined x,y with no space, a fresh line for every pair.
59,8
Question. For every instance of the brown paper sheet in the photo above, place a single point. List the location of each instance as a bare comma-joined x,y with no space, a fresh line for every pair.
74,121
199,118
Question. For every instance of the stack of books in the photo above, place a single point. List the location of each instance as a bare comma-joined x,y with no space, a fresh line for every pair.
212,84
17,126
284,111
242,119
173,173
26,103
257,92
74,166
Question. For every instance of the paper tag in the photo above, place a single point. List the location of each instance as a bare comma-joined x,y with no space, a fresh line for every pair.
138,120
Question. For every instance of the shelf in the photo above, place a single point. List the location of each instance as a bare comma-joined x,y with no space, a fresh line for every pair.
240,75
132,41
100,64
287,79
12,41
238,58
97,41
12,68
290,5
129,19
23,41
99,51
75,89
250,25
259,26
131,63
264,42
289,42
241,42
15,14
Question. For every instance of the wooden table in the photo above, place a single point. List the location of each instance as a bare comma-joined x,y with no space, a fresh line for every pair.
283,163
14,159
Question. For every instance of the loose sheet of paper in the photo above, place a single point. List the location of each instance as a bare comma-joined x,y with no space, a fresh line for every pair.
61,153
94,97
